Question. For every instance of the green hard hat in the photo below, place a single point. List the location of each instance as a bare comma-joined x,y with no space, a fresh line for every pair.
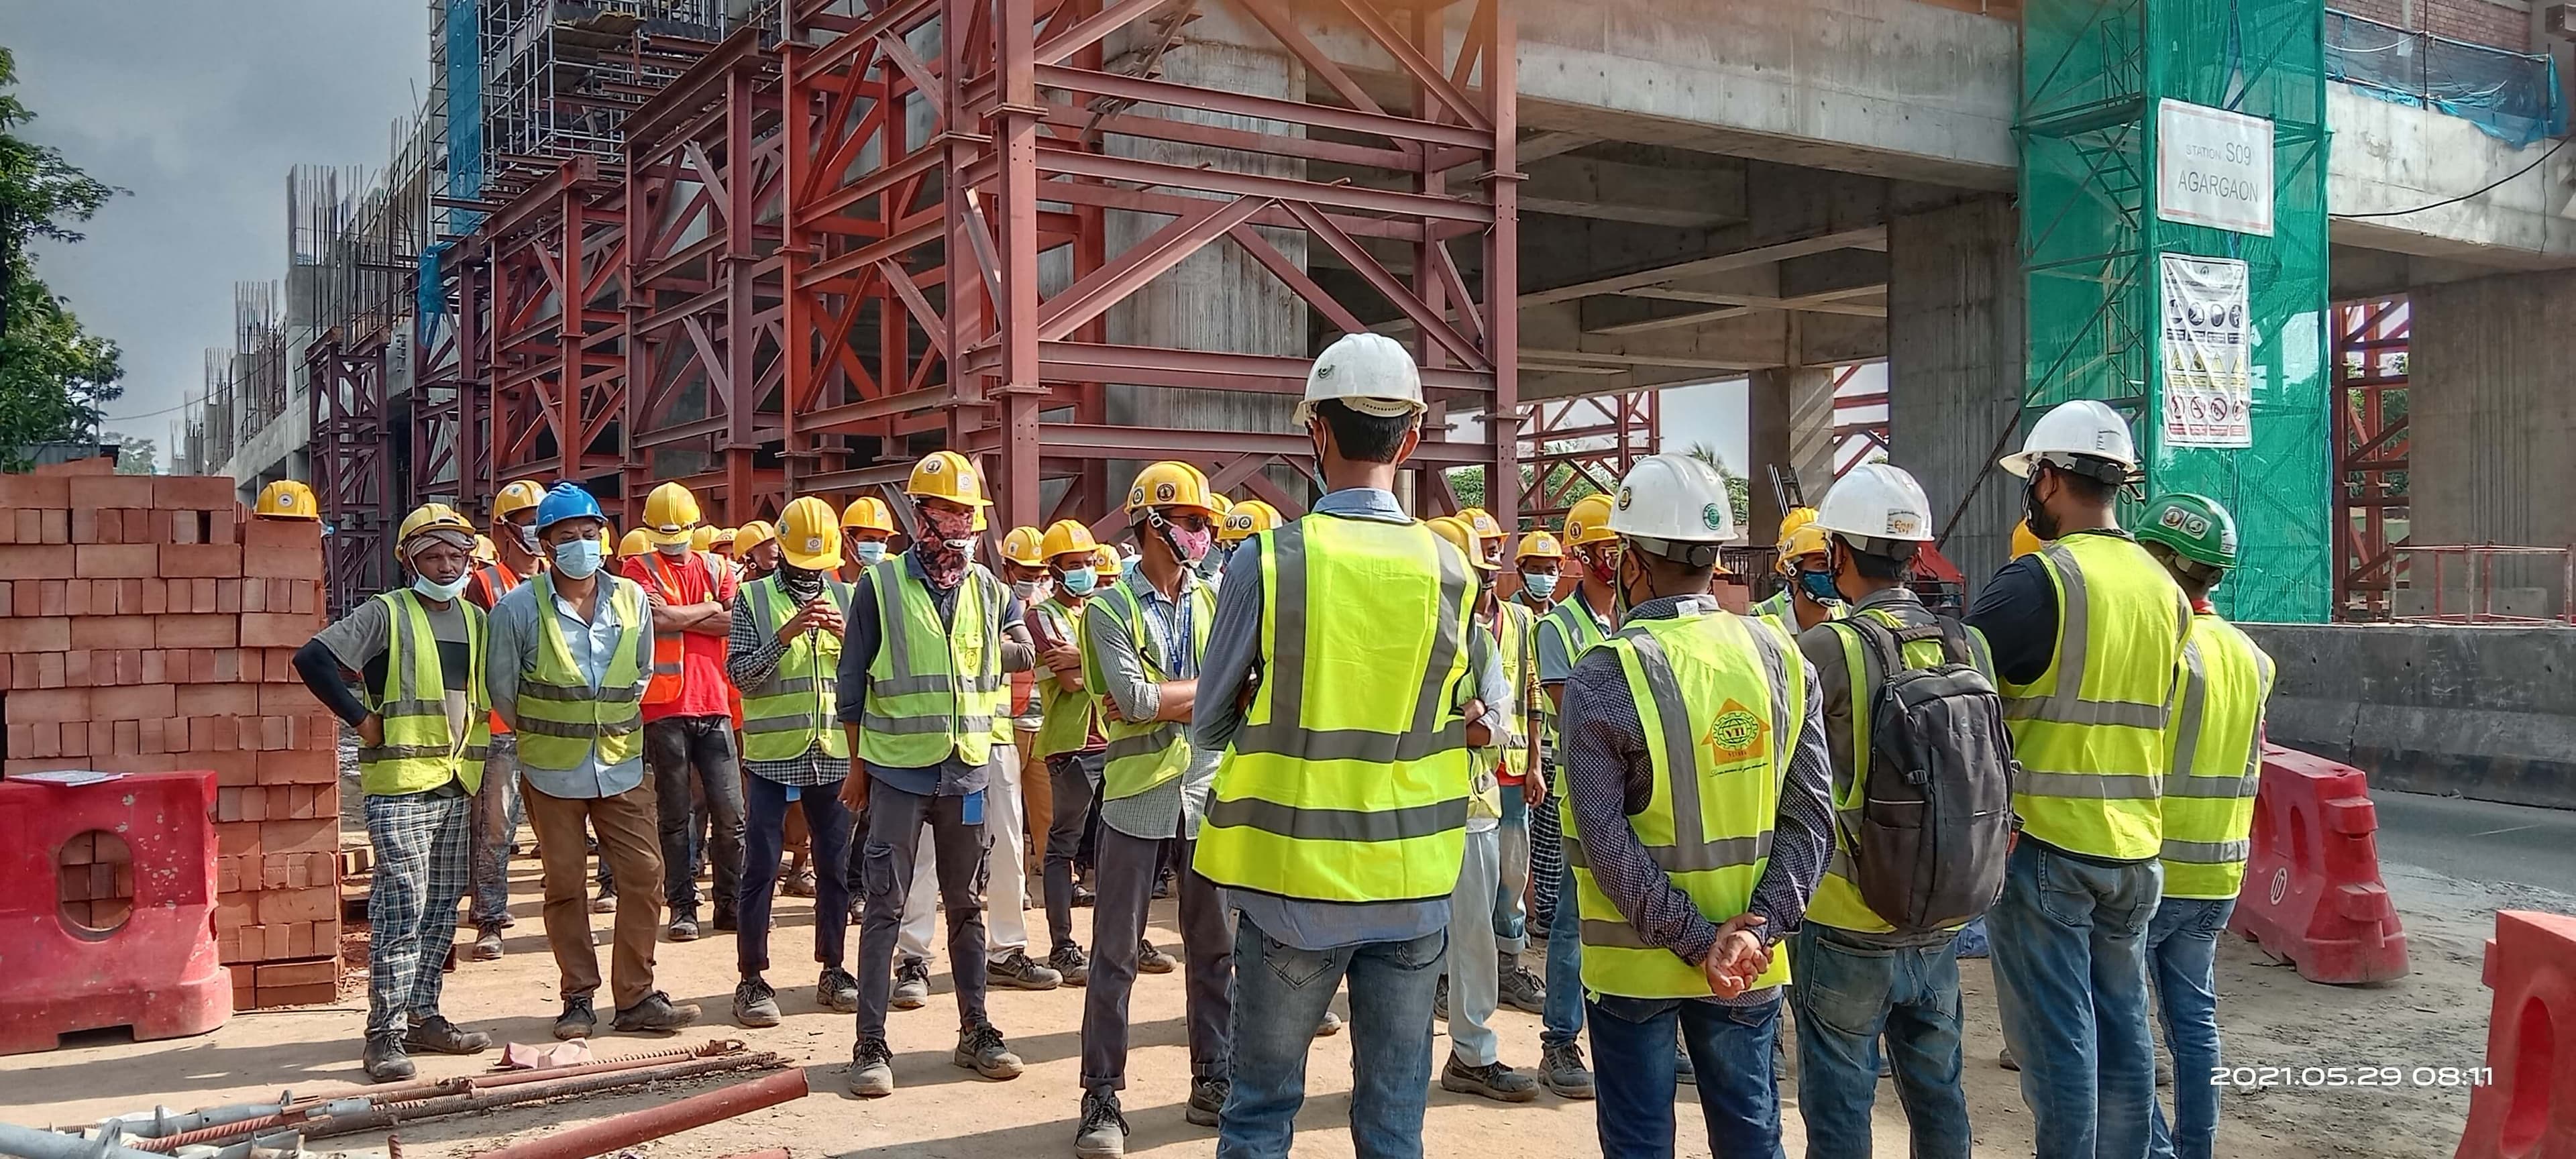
2194,526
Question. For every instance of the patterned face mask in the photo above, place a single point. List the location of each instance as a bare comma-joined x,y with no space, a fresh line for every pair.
942,550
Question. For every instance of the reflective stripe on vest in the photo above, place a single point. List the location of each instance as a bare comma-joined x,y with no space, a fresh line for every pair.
1143,757
420,752
1348,780
562,719
497,580
1071,715
1716,706
933,689
668,647
1515,634
2217,758
798,706
2089,733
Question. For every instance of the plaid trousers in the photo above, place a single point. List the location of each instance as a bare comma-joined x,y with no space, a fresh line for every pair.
1546,862
422,870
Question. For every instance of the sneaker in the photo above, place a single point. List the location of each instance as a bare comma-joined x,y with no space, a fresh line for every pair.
1083,896
605,902
2005,1060
1492,1080
1207,1100
656,1013
1684,1074
1561,1069
837,991
385,1060
1103,1133
1069,962
487,945
725,922
1162,887
911,984
437,1035
871,1069
980,1049
1020,972
1152,961
798,884
1522,990
684,927
754,1003
1440,999
576,1021
1330,1026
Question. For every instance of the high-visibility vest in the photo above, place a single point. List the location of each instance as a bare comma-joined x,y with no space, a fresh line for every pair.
1142,756
495,581
1348,779
562,719
668,647
420,752
1571,622
1071,715
1782,610
2089,732
1722,700
933,689
2217,755
1516,640
1838,902
798,705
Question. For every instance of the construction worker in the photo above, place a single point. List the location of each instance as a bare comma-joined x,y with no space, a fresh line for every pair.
1514,628
2023,542
2215,754
1491,539
1540,562
1685,874
721,544
688,707
1337,821
702,538
2087,709
286,499
418,711
867,534
756,545
1006,927
636,545
1581,618
1860,981
1806,597
1069,742
920,686
484,554
497,806
567,672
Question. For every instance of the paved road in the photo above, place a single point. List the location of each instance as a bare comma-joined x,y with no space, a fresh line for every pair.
2479,840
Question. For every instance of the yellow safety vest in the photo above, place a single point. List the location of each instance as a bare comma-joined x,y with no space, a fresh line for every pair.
798,706
2089,733
419,752
562,719
1780,608
933,689
1516,640
1573,625
2216,748
1070,715
1348,781
1722,701
1142,756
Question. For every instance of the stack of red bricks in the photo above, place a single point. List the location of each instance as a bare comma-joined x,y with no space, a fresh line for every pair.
147,626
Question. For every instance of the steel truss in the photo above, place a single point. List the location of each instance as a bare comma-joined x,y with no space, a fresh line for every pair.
352,472
1584,446
2370,452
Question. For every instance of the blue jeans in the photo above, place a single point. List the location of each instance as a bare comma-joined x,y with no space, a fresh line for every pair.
1280,993
1633,1067
2070,960
1847,995
2182,957
1563,1020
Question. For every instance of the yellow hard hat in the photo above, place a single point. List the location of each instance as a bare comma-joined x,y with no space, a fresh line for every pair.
752,535
807,535
1220,504
1805,540
702,537
637,542
2024,540
1170,484
725,536
1023,547
670,512
1462,535
486,551
1109,565
1793,519
865,513
1482,522
516,497
1065,537
1588,521
286,499
1249,518
947,475
1538,545
431,517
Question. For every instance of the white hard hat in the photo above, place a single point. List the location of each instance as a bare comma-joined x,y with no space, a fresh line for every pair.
1674,506
2082,429
1369,373
1876,501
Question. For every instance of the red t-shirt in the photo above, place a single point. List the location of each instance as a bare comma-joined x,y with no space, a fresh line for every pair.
704,689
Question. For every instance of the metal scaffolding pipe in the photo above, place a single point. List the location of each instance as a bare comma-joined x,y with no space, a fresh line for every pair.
380,1117
626,1130
30,1143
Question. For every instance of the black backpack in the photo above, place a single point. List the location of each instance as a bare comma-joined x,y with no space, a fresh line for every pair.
1935,819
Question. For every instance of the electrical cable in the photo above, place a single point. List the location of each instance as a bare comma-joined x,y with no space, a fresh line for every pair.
2488,188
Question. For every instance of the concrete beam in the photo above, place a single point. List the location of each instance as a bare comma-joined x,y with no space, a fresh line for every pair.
1577,186
1870,237
2389,158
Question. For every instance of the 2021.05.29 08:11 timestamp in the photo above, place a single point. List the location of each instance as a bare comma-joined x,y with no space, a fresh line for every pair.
2326,1077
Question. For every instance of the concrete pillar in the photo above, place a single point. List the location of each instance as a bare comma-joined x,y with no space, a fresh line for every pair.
2490,440
1956,344
1792,426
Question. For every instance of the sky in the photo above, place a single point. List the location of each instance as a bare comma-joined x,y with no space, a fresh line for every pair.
199,108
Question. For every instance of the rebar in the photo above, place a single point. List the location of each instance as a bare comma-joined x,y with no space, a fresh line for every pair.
382,1116
626,1130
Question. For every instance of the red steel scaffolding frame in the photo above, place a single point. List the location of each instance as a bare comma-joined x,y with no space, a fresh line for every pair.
1584,446
2370,452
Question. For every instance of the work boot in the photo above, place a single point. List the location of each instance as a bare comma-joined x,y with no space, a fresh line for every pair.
576,1021
871,1069
1207,1099
605,902
657,1014
1068,961
1522,991
754,1003
726,922
1020,972
1083,896
1492,1080
1440,999
837,991
437,1035
385,1060
1163,885
1152,961
1103,1133
1330,1026
684,926
911,984
798,884
980,1049
1561,1069
1684,1074
2005,1059
487,945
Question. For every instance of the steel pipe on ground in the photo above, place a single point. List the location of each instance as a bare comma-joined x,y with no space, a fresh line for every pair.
626,1130
381,1117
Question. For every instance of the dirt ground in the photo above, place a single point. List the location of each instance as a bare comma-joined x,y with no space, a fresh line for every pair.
2435,1017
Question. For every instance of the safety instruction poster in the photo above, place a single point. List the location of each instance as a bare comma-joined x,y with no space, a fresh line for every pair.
2208,391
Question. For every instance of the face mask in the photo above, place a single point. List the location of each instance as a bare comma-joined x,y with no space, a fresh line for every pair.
1029,591
673,550
578,559
1539,583
870,551
1079,583
2042,524
1819,586
434,590
800,583
1603,566
526,534
1619,598
1187,545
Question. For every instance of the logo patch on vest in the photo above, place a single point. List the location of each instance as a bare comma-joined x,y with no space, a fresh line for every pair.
1736,734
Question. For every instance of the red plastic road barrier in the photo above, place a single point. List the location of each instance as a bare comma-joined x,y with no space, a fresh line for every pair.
2312,889
156,970
2527,1108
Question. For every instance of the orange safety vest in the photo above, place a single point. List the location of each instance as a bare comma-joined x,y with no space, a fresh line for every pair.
667,646
496,579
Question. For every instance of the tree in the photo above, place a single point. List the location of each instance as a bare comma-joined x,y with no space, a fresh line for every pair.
1739,491
54,374
136,456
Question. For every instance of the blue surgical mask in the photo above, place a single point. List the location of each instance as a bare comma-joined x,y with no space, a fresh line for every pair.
433,590
1078,582
870,551
1819,586
578,559
1539,583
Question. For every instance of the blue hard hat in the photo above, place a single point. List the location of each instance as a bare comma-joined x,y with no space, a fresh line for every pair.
566,500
